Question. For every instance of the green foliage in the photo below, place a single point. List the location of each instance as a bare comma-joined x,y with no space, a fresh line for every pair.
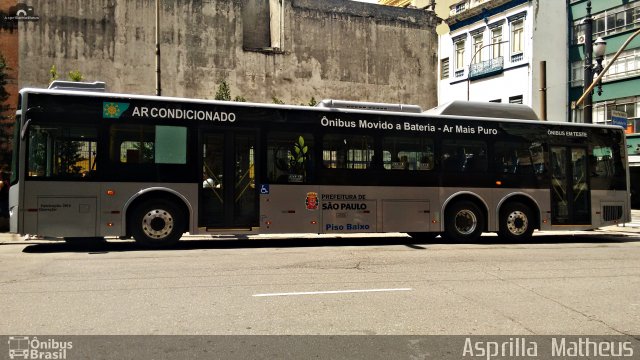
277,101
240,99
75,75
53,73
313,101
69,155
224,92
6,121
298,156
4,80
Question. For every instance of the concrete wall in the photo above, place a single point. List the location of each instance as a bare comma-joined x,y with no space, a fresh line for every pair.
322,49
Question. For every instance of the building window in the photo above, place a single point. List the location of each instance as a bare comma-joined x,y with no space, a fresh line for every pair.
262,25
627,65
515,99
577,73
477,47
609,22
496,101
602,111
496,39
615,20
444,68
517,37
460,55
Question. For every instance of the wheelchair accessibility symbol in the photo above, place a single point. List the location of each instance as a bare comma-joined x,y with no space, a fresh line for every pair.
264,189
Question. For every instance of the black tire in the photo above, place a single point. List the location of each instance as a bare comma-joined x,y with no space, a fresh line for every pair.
157,223
464,222
516,223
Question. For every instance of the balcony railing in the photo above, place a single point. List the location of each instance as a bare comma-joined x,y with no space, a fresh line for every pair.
486,68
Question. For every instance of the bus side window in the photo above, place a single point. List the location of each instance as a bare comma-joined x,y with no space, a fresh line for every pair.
409,153
464,156
62,152
290,157
343,151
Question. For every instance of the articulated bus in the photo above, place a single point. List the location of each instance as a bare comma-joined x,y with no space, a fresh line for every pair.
89,164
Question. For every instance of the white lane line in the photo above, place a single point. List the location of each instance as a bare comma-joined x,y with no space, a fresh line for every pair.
330,292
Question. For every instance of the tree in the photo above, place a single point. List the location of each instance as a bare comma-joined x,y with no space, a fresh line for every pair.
6,120
224,92
75,75
53,72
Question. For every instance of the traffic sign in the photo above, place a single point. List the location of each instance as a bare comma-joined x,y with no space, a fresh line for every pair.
619,118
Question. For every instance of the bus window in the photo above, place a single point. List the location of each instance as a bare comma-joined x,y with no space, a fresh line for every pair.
464,156
147,144
521,158
61,151
405,153
289,157
347,151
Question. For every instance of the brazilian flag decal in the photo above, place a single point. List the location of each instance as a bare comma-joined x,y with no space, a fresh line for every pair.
113,110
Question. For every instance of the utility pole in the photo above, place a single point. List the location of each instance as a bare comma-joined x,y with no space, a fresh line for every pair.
588,64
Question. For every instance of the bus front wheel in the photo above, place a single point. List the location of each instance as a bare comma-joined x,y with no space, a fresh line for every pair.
157,223
516,223
464,222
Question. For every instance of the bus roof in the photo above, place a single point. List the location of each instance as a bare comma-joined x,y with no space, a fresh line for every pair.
363,105
487,109
467,109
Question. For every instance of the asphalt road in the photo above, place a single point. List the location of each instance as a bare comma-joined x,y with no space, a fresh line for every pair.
574,283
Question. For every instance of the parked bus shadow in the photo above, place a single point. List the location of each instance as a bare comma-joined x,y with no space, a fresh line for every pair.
298,242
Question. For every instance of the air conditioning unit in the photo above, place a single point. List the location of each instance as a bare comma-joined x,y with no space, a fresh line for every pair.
580,39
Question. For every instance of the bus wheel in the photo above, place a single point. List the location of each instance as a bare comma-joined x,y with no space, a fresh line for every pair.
464,222
515,223
157,223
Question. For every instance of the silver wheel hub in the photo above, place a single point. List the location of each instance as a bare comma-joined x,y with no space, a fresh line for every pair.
466,222
517,222
157,223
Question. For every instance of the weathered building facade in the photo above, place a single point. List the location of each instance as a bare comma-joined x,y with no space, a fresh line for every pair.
291,50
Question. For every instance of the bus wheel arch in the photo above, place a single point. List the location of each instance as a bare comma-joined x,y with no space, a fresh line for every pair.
465,218
518,216
157,218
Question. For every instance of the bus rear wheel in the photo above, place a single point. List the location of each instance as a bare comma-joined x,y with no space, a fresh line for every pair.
464,222
157,223
516,223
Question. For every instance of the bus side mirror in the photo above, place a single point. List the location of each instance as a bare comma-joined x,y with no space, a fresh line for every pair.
25,126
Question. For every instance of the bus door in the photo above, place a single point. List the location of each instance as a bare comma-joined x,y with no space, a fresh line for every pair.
228,197
570,195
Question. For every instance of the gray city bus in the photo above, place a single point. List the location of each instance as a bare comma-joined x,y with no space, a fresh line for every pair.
90,164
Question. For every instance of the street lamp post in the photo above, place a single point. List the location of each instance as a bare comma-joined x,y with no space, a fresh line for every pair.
471,63
589,69
588,64
600,46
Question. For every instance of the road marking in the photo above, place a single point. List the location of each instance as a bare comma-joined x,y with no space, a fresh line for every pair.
331,292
